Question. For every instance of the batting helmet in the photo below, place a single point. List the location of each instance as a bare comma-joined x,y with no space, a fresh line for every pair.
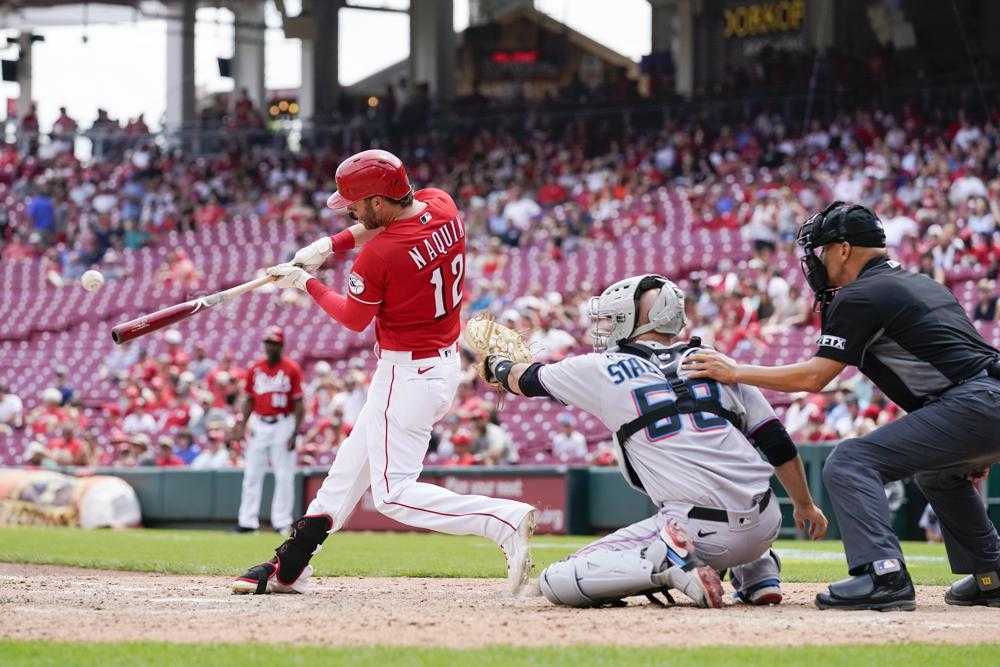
367,174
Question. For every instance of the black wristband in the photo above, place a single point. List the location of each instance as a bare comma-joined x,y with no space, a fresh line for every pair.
500,370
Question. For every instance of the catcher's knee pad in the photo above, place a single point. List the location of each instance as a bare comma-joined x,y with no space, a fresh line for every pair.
598,578
308,534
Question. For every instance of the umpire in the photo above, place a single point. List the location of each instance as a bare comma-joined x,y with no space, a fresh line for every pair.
911,337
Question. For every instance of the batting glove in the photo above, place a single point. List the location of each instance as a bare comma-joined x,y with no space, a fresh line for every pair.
313,255
289,276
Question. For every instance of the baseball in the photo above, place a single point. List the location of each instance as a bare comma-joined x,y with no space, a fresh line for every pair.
92,280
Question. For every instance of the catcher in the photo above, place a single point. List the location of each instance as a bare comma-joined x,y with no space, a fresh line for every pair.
687,444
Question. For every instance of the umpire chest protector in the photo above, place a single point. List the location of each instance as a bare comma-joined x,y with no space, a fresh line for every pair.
667,361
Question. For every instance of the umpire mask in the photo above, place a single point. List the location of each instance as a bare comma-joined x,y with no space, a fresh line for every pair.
836,223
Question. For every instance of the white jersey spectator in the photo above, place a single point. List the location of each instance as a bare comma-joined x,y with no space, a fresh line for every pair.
11,410
568,444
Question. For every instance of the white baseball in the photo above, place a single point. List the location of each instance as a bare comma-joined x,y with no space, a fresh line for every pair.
92,279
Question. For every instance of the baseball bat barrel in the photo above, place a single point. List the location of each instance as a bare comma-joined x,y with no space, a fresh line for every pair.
144,324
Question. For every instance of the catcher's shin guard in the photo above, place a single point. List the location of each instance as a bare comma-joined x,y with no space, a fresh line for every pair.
282,573
600,578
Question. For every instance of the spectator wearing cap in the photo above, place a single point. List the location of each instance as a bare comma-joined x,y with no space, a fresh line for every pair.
568,444
165,456
69,449
11,411
175,350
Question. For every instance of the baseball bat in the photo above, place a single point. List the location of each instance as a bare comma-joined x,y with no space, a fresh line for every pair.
140,326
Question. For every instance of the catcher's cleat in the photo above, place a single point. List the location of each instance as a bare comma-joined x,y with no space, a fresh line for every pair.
517,550
289,570
686,572
761,594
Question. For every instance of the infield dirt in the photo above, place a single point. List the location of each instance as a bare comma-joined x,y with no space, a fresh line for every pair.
60,603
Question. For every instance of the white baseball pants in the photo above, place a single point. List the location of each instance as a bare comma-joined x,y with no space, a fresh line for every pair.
264,441
386,448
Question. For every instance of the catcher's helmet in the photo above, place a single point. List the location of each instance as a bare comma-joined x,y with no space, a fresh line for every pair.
615,312
367,174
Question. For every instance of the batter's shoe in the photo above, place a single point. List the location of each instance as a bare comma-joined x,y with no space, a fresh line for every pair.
975,590
688,573
761,594
517,550
289,570
884,585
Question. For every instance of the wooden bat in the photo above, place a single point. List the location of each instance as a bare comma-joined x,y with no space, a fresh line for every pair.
140,326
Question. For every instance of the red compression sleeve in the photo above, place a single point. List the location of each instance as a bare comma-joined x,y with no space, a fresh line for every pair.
353,314
342,241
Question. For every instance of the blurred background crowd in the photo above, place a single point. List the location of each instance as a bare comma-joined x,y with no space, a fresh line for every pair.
558,183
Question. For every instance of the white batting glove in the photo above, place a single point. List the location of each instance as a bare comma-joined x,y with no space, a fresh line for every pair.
313,255
289,276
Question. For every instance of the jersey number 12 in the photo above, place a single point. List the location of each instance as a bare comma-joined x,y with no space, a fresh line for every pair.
437,280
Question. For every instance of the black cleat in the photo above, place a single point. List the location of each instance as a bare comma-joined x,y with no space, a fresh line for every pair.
242,529
884,585
975,590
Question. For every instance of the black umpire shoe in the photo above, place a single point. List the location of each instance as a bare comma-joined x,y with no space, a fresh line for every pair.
975,590
884,585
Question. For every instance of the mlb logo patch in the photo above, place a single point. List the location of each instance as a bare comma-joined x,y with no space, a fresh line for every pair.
425,218
832,341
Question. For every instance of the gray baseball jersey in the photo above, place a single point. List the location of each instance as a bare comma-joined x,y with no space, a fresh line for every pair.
698,459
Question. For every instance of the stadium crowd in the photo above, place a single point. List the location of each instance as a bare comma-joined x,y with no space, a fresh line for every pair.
932,175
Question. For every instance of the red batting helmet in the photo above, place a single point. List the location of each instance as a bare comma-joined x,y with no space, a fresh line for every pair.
274,335
367,174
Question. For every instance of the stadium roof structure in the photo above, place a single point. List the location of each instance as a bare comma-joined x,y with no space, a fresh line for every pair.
29,14
376,83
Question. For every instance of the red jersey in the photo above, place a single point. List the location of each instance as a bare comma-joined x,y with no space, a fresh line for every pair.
273,388
413,270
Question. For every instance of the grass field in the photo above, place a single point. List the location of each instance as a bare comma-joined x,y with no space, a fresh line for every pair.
205,552
367,554
223,655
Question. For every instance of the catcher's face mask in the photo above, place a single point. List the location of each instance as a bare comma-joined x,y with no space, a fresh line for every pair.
838,222
615,312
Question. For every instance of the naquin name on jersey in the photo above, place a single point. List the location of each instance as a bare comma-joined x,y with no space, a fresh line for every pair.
441,240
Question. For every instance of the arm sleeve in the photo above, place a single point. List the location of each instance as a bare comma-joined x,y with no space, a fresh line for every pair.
353,314
774,443
850,323
366,283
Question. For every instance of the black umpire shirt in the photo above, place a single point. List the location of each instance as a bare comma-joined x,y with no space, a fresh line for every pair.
904,331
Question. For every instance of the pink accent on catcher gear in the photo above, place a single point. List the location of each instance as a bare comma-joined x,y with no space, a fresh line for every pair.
368,174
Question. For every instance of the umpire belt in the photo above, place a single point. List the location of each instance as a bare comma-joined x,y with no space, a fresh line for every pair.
722,516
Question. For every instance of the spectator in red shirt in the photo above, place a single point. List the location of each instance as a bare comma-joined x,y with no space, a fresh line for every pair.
165,456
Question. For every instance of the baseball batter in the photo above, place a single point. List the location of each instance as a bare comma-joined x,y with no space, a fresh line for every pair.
272,416
689,445
408,278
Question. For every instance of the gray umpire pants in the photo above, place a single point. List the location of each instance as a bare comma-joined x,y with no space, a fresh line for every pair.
938,445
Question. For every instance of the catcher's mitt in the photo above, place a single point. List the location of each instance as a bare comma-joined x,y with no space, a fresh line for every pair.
486,338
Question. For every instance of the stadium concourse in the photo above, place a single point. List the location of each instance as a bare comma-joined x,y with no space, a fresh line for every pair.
555,210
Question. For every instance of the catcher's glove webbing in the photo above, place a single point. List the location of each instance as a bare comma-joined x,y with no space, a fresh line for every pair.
492,343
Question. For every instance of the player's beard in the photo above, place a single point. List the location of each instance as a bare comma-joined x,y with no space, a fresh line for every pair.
368,217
